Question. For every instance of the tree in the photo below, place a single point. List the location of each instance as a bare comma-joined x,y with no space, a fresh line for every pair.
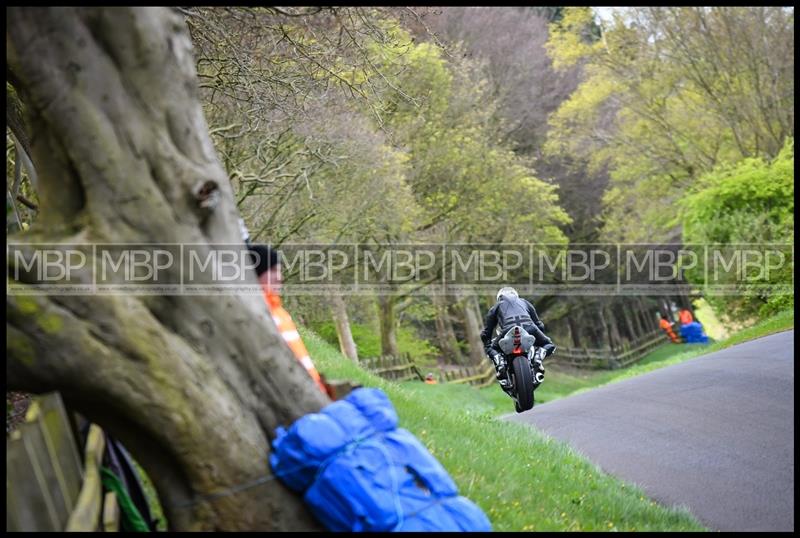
195,385
510,41
750,202
668,94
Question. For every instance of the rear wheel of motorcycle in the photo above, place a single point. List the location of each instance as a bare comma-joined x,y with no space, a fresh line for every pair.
523,383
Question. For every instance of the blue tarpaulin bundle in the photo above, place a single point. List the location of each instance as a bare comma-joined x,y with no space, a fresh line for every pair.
360,472
692,333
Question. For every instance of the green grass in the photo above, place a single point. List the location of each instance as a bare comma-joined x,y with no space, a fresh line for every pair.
523,480
781,321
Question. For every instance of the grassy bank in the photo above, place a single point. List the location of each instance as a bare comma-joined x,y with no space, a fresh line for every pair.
521,479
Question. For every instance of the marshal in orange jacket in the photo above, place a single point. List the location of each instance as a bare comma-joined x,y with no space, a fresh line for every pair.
288,330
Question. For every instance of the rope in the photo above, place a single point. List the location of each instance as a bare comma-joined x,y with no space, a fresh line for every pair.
234,489
267,478
371,440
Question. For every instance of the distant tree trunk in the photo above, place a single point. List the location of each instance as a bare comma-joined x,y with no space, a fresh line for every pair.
613,331
574,329
606,335
446,336
346,343
636,308
647,315
473,327
194,386
624,307
388,323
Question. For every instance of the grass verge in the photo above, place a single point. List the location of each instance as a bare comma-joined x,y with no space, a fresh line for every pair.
523,480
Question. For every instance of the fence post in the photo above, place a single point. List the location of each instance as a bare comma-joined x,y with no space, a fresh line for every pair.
86,515
43,469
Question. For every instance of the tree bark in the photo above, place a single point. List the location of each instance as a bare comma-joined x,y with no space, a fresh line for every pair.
636,305
346,343
614,336
606,335
647,315
629,327
193,385
573,323
388,323
446,336
473,327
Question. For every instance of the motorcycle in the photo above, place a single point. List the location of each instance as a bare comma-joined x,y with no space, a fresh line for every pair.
520,352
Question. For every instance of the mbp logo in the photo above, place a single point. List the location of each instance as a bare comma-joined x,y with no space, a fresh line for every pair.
403,269
48,264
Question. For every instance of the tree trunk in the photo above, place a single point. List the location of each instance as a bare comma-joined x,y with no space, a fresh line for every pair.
346,343
574,325
636,306
629,327
446,336
473,327
647,315
606,336
193,385
614,337
388,323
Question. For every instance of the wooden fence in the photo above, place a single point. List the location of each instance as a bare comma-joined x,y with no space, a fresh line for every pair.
477,376
400,368
48,488
609,359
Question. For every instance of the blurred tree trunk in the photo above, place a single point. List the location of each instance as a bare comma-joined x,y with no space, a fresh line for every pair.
624,307
647,315
446,336
574,327
388,322
635,305
346,343
606,339
473,327
616,339
194,386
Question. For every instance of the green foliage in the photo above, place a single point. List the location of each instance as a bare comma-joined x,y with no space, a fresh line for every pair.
748,202
751,201
571,38
668,95
368,341
455,158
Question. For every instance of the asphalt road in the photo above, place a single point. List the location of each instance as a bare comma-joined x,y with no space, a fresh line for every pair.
714,434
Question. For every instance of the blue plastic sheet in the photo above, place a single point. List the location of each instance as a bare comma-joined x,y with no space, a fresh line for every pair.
360,472
692,333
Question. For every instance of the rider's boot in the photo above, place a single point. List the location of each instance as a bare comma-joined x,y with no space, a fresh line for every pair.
500,367
538,366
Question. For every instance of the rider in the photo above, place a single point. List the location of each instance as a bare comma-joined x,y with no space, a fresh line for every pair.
511,310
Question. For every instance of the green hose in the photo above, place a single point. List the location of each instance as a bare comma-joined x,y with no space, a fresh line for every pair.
131,519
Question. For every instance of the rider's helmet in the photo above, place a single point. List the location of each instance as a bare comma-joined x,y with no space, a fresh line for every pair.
507,291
